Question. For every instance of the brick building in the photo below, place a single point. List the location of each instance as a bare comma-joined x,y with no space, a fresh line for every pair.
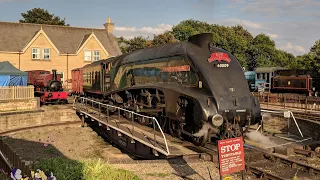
46,47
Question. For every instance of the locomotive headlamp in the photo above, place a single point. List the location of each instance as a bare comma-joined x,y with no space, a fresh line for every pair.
217,120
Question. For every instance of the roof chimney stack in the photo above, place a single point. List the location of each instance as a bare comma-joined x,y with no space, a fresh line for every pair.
109,26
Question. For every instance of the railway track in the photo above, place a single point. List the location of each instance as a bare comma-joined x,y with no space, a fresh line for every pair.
3,133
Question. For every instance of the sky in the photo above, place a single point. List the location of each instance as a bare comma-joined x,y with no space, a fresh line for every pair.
292,24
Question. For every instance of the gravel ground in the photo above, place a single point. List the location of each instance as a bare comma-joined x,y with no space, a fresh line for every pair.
175,171
72,142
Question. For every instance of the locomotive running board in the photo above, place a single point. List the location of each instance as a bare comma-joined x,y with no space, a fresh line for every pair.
141,141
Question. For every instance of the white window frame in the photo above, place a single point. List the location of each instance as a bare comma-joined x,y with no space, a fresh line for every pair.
86,57
44,53
37,54
96,57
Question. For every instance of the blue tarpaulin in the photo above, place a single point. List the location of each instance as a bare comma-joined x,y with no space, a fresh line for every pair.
11,76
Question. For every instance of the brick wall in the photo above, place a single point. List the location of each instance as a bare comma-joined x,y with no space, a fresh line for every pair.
19,105
49,116
60,62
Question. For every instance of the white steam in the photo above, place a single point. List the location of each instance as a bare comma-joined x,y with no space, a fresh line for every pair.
204,130
256,136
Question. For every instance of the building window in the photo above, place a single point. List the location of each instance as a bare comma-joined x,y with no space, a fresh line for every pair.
35,53
61,76
96,55
87,55
46,53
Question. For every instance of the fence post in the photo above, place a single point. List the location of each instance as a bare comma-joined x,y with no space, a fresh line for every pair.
268,99
284,101
306,104
12,90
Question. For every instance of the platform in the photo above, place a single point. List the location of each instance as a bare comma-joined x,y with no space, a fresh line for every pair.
132,133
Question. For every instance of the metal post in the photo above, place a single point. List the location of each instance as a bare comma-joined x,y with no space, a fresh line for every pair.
154,131
99,110
268,99
306,107
132,122
107,113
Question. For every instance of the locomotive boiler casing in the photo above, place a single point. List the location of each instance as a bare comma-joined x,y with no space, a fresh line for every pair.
45,80
219,90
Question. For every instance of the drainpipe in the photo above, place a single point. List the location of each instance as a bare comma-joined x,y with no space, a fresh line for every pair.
67,70
19,59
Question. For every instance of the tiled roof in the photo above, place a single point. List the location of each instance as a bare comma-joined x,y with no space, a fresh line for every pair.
15,36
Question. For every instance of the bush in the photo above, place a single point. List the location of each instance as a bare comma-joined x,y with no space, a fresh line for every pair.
62,168
66,169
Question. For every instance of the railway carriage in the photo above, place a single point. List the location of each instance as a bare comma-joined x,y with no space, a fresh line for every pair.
193,88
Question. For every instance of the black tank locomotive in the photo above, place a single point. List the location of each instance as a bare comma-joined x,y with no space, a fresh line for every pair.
193,88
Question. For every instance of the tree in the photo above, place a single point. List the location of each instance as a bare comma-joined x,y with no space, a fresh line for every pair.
166,37
41,16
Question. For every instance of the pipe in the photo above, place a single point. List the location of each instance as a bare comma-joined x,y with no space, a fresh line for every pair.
54,74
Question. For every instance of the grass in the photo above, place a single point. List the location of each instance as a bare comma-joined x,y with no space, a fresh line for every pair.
158,174
66,169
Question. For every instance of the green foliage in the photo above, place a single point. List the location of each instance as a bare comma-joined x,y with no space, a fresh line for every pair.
258,51
66,169
99,170
41,16
62,168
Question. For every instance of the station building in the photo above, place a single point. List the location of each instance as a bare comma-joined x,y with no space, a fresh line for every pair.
46,47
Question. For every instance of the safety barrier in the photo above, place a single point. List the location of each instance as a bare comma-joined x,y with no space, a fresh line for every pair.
16,93
99,106
288,100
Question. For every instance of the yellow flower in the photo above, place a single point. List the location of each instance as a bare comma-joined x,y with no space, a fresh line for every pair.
27,178
32,174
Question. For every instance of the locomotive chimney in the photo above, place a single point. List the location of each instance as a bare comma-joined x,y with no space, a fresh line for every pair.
203,40
54,74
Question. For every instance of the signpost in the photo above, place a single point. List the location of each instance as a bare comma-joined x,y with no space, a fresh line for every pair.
231,156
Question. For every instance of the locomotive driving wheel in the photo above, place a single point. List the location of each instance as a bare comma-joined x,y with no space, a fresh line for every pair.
175,128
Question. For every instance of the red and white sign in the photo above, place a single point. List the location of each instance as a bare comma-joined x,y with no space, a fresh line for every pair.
176,68
231,155
219,57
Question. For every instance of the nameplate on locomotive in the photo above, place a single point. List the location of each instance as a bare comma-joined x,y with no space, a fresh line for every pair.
175,68
220,60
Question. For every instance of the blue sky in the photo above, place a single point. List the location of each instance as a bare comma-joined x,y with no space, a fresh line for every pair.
291,23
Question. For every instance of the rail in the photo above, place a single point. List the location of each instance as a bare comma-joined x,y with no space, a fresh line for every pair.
288,100
101,105
16,93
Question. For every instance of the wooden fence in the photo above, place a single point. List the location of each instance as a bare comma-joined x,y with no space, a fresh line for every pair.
16,92
289,100
10,159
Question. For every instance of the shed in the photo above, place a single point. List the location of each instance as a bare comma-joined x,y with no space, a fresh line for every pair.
11,76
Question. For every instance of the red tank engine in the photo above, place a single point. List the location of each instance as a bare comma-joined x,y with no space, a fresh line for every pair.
47,86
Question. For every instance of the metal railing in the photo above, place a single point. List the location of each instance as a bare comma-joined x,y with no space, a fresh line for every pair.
155,122
16,92
289,100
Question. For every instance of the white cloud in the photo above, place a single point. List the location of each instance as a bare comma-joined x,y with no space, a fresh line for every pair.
296,48
273,36
129,32
242,22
